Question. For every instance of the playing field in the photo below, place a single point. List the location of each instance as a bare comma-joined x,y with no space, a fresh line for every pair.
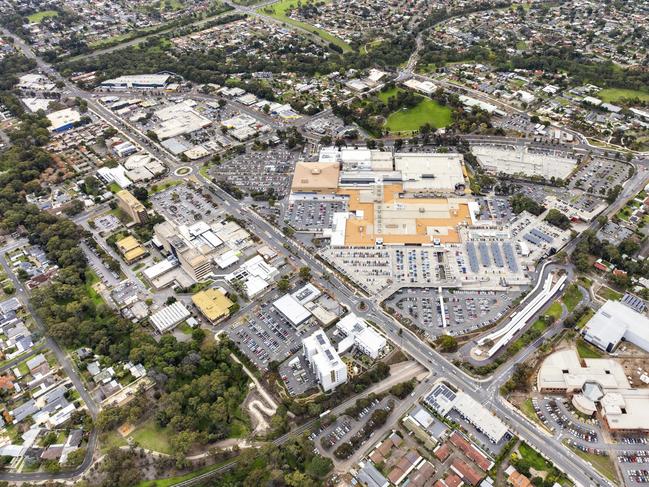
37,18
280,9
411,119
611,95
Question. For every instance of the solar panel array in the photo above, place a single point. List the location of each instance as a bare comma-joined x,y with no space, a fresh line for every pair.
473,257
510,257
538,233
533,239
484,254
498,256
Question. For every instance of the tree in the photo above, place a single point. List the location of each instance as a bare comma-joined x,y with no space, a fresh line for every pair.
141,193
447,343
305,273
74,208
558,219
283,284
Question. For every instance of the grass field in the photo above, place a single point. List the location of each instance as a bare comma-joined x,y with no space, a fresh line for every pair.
152,437
611,95
533,458
584,318
586,350
280,9
602,463
91,280
384,96
608,293
572,297
411,119
37,18
555,310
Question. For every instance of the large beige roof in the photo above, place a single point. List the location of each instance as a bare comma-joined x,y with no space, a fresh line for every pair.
316,176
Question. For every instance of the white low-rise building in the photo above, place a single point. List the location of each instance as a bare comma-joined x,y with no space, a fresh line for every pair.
170,316
362,335
615,322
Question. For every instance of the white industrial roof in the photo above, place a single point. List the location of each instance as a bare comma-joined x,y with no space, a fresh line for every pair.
480,417
615,321
160,268
292,310
170,316
63,117
139,79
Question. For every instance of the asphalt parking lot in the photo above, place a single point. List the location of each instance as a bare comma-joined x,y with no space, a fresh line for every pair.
464,311
184,205
267,336
259,171
496,209
600,175
312,215
296,375
341,430
555,414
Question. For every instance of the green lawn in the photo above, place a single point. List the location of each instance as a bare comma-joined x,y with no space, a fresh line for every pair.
280,10
37,18
555,310
539,326
608,293
533,458
585,282
176,480
110,440
572,297
152,437
603,463
114,187
387,94
611,95
91,280
411,119
156,188
585,318
586,350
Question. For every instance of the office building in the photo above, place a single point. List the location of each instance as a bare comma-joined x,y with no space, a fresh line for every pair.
443,400
213,304
596,384
359,333
131,249
325,362
130,205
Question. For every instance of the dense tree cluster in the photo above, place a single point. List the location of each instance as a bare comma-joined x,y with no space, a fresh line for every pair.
522,203
201,386
293,464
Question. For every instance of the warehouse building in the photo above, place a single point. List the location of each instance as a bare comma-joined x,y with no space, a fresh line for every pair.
138,81
63,120
179,119
325,362
521,159
596,384
170,316
615,322
443,400
291,309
